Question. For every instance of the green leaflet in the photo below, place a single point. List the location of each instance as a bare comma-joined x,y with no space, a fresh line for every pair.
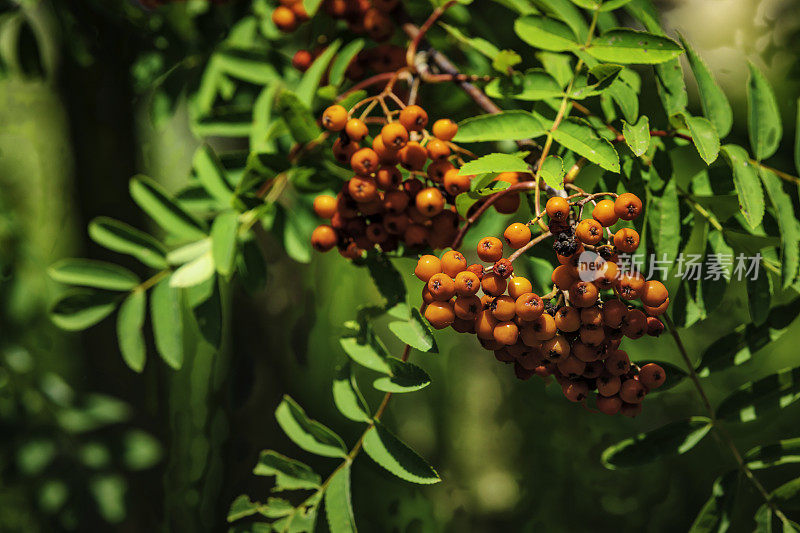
577,135
96,274
716,107
704,137
125,239
775,454
505,126
347,397
774,391
637,136
630,46
715,514
224,233
390,453
338,503
308,434
307,88
166,312
545,34
674,438
130,321
494,163
416,332
290,474
763,116
157,203
787,223
404,377
748,186
82,309
343,60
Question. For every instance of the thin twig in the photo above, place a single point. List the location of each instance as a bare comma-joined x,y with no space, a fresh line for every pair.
533,242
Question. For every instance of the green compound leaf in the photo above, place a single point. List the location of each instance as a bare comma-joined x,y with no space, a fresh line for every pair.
211,174
637,136
494,163
763,115
545,34
130,321
405,377
716,106
631,46
390,453
577,135
338,502
157,203
125,239
674,438
715,513
309,83
166,312
505,126
569,14
755,398
347,397
787,223
416,332
704,137
297,117
95,274
343,60
748,186
532,85
309,434
82,309
290,474
775,454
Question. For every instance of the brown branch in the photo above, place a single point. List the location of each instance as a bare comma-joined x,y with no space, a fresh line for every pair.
533,242
369,82
411,52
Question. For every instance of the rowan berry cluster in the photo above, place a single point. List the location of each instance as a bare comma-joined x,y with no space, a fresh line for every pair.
572,334
367,17
404,184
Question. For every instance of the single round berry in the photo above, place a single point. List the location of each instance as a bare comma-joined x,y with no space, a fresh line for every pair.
342,152
609,405
627,206
529,307
518,285
414,118
325,206
654,293
604,213
302,59
582,294
563,277
394,136
608,385
444,129
388,178
441,286
334,118
592,336
438,169
427,266
362,189
657,311
556,348
455,183
415,235
506,333
626,240
568,319
284,18
503,308
503,268
617,363
632,391
467,307
614,312
629,285
324,238
453,263
517,235
507,204
413,156
467,283
490,249
365,161
395,201
634,324
438,149
387,156
430,202
356,129
589,231
557,208
652,376
592,317
571,367
575,391
585,352
440,314
484,325
493,285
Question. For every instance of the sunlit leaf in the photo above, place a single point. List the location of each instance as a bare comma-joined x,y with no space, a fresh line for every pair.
577,135
763,115
404,377
631,46
390,453
156,202
289,473
790,233
338,502
704,137
545,34
494,163
674,438
309,434
130,321
755,398
416,332
748,186
637,136
96,274
125,239
775,454
505,126
82,309
166,311
347,397
716,107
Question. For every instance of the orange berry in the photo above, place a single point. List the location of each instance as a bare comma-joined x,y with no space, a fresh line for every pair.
517,286
563,277
453,263
356,129
544,327
506,333
394,136
484,325
438,169
455,183
467,283
613,313
626,240
444,129
427,266
529,307
413,156
438,149
555,348
334,118
609,405
568,319
582,294
604,213
302,59
430,202
629,285
386,155
652,376
557,208
632,391
493,285
654,293
440,314
467,307
507,203
634,324
414,118
517,235
362,189
508,177
592,317
415,235
284,18
324,238
592,336
325,206
395,201
575,391
388,178
589,231
490,249
627,206
343,152
617,363
396,224
365,161
657,311
441,286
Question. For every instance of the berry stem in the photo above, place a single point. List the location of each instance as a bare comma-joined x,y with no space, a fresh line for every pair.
363,84
722,435
533,242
